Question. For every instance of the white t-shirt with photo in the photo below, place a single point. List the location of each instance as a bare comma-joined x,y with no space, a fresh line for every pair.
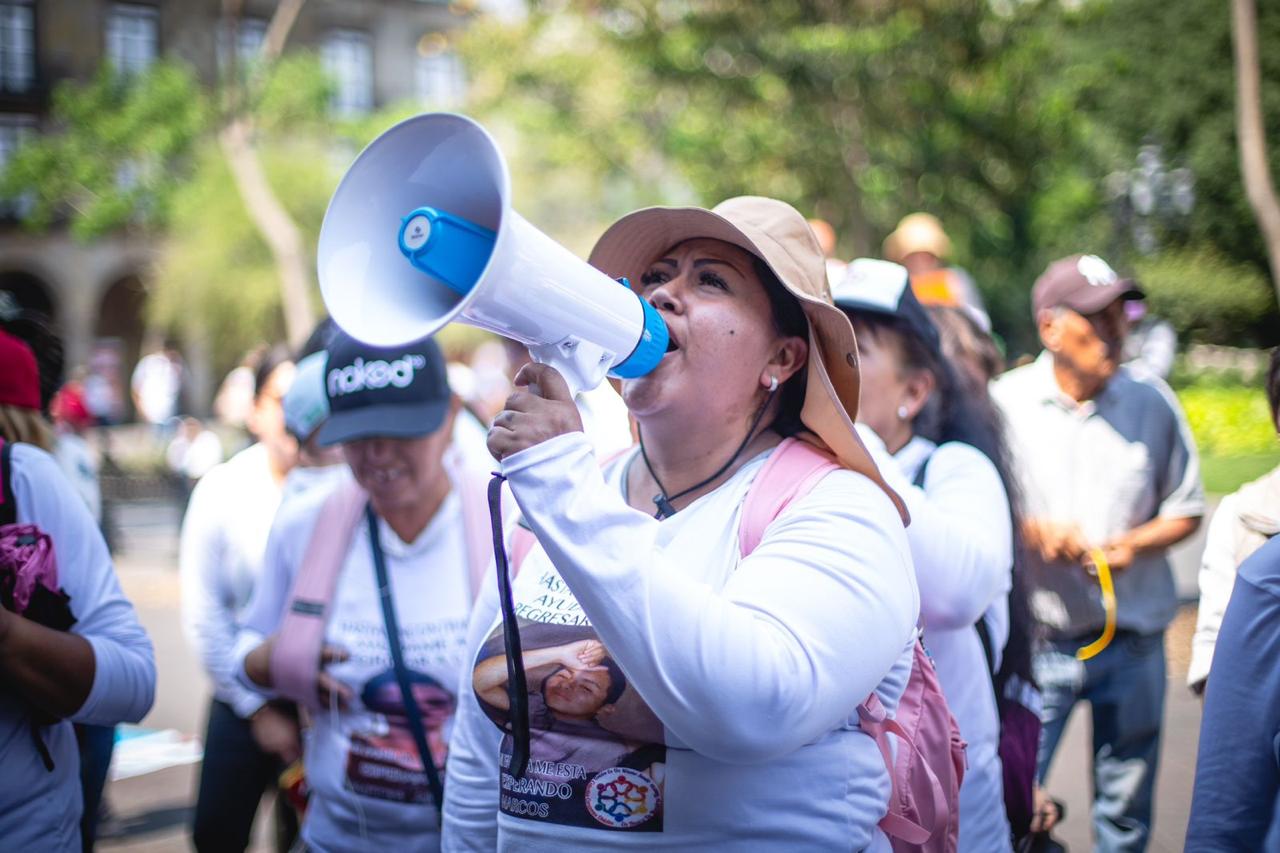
368,788
716,696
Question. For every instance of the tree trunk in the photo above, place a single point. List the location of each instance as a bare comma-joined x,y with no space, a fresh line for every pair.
281,233
1258,185
275,225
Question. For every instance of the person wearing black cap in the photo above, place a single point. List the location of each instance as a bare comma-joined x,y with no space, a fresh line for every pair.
1110,479
399,553
940,447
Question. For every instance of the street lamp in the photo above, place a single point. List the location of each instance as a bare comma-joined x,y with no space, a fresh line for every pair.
1149,198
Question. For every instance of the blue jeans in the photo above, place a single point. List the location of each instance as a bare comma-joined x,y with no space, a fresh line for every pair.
1124,686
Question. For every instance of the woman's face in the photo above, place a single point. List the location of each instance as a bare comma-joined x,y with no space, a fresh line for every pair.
398,472
886,385
721,325
577,692
266,419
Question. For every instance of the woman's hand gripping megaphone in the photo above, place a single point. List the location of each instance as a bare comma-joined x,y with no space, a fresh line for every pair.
540,409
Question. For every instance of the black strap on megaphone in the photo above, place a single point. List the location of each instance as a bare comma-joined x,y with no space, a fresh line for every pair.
517,685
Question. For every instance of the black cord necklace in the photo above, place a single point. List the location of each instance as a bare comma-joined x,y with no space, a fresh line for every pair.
662,501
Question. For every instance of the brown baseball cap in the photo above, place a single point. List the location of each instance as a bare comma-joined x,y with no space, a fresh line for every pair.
775,232
1084,283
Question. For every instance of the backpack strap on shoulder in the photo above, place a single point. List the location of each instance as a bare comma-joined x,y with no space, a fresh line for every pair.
790,473
295,658
475,520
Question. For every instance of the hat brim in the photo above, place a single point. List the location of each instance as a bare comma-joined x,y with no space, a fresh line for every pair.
1094,299
832,385
389,421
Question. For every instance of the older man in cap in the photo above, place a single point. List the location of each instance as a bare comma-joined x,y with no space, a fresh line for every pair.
1110,474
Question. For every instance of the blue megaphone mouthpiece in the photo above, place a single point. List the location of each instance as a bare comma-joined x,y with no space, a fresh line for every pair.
450,249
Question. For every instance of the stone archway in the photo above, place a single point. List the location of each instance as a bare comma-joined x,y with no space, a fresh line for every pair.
118,335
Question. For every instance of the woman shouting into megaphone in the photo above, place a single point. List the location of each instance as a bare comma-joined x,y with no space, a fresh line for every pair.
695,623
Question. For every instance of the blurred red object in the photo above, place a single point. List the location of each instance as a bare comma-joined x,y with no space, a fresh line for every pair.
68,407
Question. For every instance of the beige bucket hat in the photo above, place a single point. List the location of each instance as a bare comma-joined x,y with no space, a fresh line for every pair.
917,232
776,233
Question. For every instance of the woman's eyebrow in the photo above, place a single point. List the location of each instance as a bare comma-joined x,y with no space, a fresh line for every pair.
702,262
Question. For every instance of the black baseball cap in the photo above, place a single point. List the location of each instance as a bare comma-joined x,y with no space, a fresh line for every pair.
395,392
872,286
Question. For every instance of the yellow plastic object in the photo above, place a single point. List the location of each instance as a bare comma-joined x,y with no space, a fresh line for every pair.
1108,605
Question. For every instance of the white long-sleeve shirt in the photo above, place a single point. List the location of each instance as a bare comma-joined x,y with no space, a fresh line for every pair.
40,810
730,715
1242,523
224,536
961,540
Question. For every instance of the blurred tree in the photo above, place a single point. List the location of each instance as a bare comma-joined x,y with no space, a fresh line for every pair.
113,161
273,221
1205,295
1162,71
1003,118
1259,187
855,112
128,148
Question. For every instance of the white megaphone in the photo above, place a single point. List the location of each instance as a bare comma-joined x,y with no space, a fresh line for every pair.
420,232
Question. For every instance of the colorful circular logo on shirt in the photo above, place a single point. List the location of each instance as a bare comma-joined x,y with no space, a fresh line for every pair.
620,797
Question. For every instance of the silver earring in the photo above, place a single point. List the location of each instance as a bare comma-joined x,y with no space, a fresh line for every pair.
773,384
902,413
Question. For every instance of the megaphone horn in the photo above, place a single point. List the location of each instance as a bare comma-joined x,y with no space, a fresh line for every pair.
420,232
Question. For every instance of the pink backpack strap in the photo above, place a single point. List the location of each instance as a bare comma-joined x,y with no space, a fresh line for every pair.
295,657
790,473
476,529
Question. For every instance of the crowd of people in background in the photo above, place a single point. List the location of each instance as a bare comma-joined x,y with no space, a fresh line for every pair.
338,584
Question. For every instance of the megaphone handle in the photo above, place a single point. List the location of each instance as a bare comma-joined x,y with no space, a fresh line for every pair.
582,364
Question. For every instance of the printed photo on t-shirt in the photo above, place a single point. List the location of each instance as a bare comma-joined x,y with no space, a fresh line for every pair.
383,760
596,756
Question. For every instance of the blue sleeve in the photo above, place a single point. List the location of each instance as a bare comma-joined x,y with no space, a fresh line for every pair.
1238,768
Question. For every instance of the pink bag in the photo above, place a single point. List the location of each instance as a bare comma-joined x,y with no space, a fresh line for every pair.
28,567
924,806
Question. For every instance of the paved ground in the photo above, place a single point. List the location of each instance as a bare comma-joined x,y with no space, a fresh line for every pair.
152,812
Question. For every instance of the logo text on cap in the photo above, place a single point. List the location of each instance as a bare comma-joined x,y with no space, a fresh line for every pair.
363,375
1096,271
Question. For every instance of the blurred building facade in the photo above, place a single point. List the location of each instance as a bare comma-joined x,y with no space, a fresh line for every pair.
377,51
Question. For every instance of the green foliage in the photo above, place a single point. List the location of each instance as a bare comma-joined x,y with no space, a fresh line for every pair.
1222,475
1163,71
115,162
292,96
1229,420
858,113
216,278
1004,119
1206,296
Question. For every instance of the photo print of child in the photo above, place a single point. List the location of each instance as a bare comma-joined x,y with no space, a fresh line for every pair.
383,761
596,753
